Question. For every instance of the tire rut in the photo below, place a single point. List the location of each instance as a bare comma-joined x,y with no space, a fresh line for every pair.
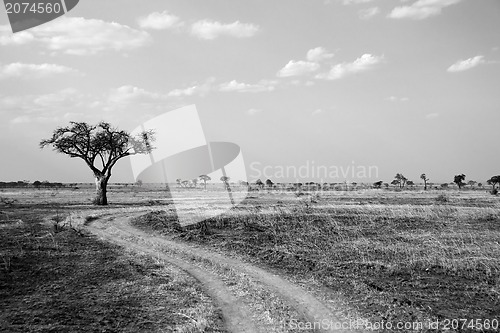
236,314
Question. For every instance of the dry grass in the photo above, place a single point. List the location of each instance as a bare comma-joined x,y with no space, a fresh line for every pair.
395,256
406,256
68,281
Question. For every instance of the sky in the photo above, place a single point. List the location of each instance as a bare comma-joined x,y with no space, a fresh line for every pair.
385,86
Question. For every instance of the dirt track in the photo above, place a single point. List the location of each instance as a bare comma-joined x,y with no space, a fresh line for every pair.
239,316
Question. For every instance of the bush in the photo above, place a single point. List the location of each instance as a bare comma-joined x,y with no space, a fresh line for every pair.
442,198
494,191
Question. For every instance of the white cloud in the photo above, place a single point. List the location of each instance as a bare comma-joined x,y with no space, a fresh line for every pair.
261,86
200,89
318,54
29,71
80,36
466,64
128,94
41,108
397,99
363,63
207,29
368,13
160,21
253,112
302,67
432,115
19,38
295,68
355,2
421,9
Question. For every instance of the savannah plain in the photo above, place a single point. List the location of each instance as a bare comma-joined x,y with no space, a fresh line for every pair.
277,262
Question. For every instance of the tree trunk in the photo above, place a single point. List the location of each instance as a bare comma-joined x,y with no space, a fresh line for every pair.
425,185
101,183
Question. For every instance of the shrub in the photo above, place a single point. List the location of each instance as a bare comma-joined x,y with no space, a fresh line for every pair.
442,198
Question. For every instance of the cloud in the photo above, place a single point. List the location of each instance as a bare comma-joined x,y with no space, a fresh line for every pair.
200,89
368,13
29,71
42,108
79,36
253,112
363,63
355,2
19,38
397,99
296,68
463,65
317,112
128,94
432,115
302,67
421,9
318,54
160,21
207,29
261,86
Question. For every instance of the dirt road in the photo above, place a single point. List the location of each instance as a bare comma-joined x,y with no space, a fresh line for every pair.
225,278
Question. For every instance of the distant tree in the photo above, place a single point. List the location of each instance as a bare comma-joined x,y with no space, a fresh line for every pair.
139,183
410,183
425,179
479,185
98,144
471,183
194,182
179,182
378,184
493,181
204,179
185,183
395,182
400,180
37,184
459,180
269,183
444,185
225,180
259,183
386,185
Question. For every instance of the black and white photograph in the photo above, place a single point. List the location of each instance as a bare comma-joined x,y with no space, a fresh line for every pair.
249,166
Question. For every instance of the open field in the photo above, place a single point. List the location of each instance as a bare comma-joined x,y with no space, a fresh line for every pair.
409,256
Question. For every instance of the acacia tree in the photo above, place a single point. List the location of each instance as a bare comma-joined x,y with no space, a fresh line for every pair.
425,179
400,180
493,181
459,180
471,183
100,147
205,178
225,180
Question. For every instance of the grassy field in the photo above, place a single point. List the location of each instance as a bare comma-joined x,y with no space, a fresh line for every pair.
393,256
55,278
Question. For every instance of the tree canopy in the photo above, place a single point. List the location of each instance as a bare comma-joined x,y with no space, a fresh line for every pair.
100,147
